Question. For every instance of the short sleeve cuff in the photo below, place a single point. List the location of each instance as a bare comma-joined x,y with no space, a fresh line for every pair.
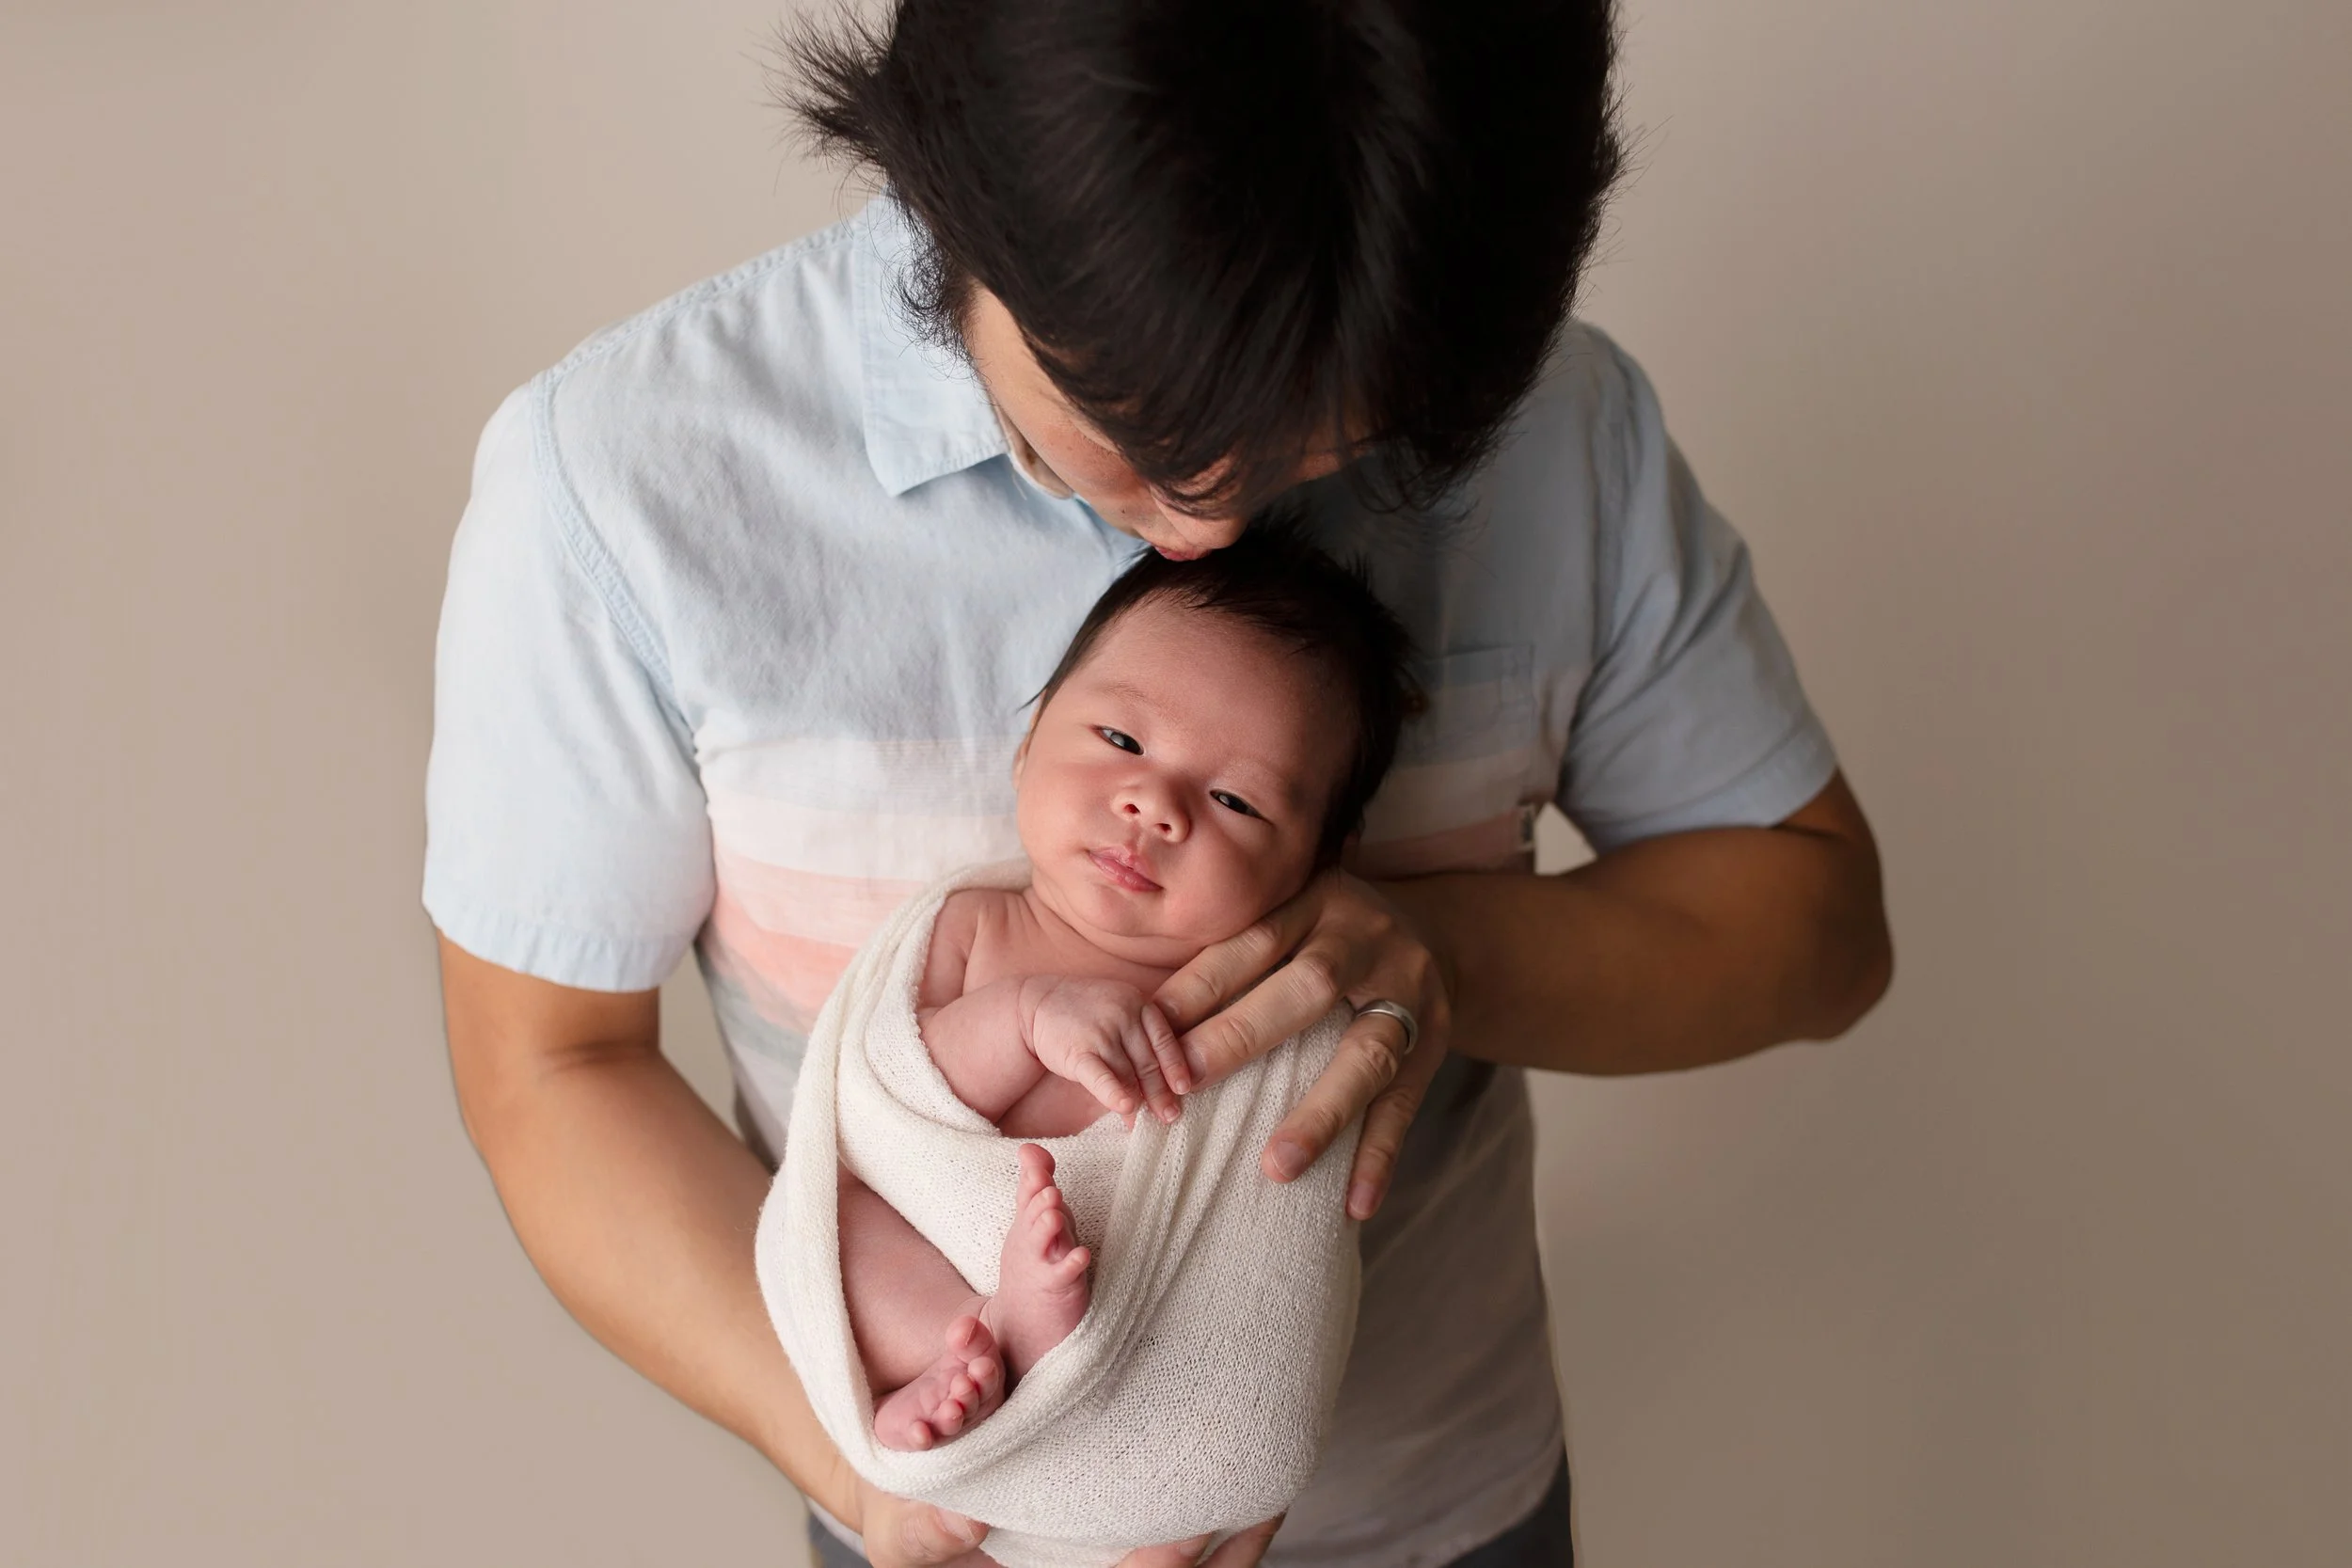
1792,773
586,960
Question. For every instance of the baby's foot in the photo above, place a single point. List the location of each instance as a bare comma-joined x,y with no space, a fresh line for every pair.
961,1389
1042,1285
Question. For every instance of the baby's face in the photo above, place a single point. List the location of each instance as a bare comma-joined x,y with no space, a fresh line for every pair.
1173,789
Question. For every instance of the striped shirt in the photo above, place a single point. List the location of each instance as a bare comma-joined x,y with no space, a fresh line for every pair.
743,623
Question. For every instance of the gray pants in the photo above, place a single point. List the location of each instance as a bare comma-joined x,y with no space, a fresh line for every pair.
1539,1541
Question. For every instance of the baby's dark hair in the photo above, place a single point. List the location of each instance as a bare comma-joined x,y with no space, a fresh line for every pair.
1274,579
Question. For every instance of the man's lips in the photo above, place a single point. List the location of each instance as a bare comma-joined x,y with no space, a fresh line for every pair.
1123,868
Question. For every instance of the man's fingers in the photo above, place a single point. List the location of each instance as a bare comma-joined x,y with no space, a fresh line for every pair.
1287,1001
1386,1121
916,1534
1243,1550
1173,1554
1366,1063
1233,965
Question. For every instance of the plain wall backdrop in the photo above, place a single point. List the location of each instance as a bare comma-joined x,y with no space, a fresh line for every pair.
2014,335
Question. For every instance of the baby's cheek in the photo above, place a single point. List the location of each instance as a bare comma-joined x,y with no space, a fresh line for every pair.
1249,892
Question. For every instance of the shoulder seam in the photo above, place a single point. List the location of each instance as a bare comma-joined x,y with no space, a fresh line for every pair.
587,549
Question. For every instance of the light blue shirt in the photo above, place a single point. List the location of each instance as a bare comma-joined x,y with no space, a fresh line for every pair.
742,625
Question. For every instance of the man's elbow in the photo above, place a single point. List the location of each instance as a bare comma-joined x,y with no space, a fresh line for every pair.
1856,978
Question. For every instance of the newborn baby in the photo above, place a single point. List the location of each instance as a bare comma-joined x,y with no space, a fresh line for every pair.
1207,744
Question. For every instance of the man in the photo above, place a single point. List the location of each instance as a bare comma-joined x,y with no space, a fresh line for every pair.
751,590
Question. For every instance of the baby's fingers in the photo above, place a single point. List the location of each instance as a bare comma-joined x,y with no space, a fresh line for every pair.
1167,1048
1145,1068
1160,1061
1101,1078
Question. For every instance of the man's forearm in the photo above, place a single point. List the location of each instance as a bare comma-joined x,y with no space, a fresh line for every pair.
638,1206
1676,952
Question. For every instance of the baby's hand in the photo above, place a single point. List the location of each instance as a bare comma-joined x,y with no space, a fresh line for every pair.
1108,1037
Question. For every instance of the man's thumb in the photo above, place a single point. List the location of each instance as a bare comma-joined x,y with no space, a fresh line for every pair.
934,1535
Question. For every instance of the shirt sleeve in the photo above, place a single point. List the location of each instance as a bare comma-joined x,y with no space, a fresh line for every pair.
1692,716
567,832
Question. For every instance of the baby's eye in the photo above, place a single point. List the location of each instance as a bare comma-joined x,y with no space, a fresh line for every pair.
1231,801
1119,738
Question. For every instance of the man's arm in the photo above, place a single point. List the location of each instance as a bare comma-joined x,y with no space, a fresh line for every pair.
1676,952
638,1208
635,1202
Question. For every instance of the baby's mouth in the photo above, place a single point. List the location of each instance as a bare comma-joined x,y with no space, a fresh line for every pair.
1125,869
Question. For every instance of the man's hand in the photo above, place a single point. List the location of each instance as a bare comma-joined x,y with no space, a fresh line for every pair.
902,1534
1339,940
1671,953
1108,1037
1242,1551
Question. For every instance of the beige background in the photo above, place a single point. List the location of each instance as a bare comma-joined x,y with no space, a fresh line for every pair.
2014,335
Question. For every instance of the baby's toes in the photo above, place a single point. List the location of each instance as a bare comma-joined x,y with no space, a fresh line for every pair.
1046,1207
953,1411
970,1338
1049,1229
1070,1266
1036,1172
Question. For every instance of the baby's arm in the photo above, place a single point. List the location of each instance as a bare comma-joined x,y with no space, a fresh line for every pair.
978,1045
975,1039
994,1044
1108,1037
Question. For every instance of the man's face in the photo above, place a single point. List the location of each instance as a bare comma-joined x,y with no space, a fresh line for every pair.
1077,451
1173,788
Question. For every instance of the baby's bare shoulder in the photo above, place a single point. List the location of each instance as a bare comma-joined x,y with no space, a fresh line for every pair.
972,915
968,943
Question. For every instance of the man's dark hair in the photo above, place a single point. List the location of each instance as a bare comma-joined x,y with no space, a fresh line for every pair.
1232,230
1275,581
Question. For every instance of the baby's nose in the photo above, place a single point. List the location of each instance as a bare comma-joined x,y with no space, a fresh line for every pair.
1162,817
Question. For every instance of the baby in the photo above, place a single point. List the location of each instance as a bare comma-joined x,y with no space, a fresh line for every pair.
1208,744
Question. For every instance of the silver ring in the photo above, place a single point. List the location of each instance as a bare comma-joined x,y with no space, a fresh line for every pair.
1400,1012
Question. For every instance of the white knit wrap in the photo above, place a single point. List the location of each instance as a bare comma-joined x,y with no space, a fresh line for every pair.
1193,1396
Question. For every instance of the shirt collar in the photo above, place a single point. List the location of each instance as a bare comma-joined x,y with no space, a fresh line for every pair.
926,413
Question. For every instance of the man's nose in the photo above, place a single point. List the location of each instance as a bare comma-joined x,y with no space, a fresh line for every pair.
1196,533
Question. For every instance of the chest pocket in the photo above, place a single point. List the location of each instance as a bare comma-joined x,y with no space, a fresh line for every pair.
1466,784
